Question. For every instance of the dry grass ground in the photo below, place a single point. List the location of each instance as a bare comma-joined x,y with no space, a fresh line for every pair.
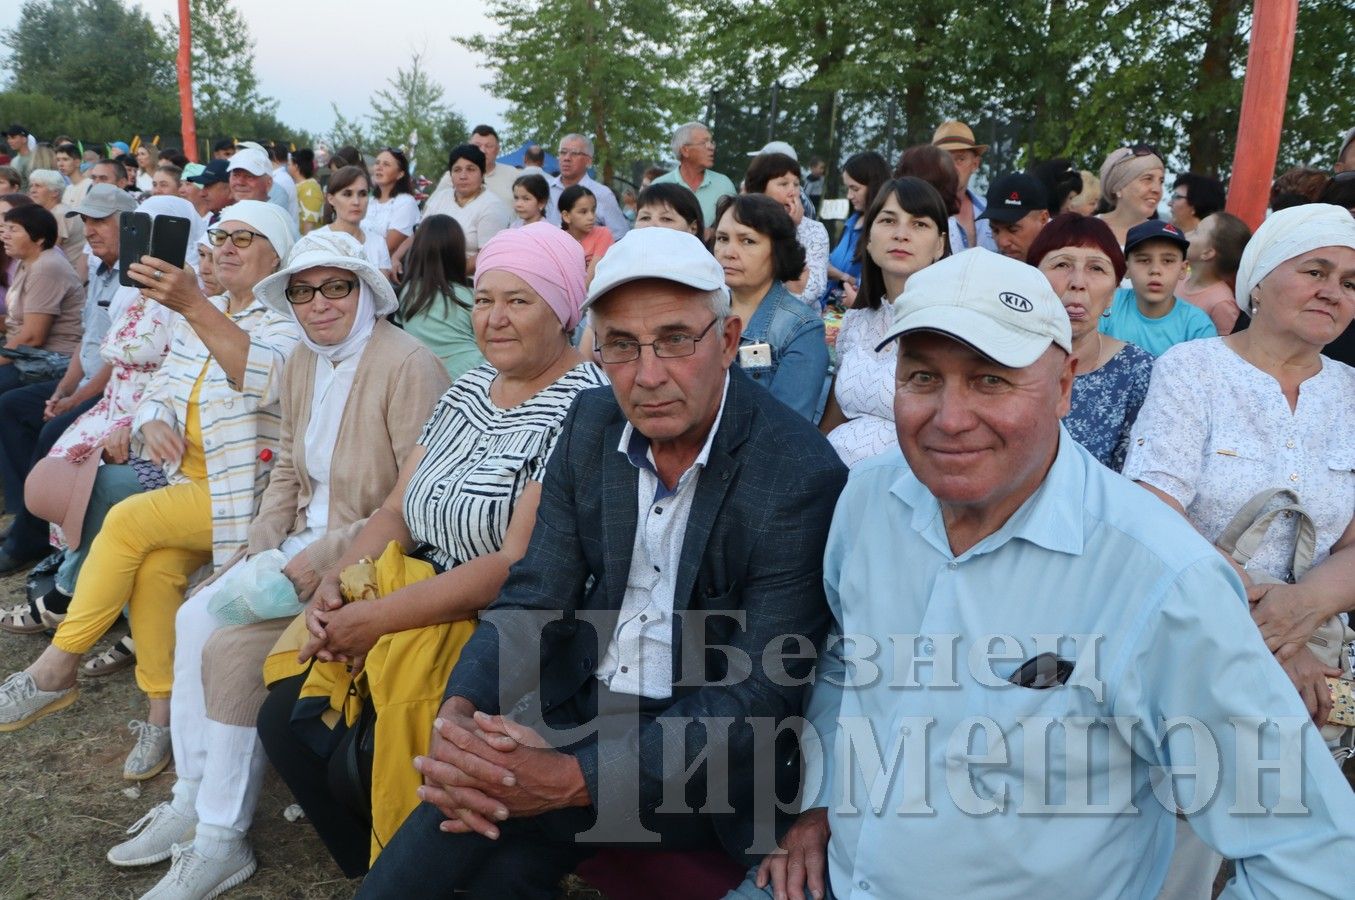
62,803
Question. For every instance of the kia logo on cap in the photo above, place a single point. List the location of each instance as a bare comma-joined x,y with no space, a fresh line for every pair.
1016,302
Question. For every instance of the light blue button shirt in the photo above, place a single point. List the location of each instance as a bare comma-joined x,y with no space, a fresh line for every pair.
1089,554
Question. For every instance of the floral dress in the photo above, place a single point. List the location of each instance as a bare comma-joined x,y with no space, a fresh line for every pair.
135,344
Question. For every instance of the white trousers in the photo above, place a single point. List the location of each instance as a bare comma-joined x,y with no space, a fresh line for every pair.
220,767
1193,868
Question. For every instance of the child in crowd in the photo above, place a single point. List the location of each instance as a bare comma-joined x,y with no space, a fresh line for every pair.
667,205
531,193
1215,251
578,216
1148,314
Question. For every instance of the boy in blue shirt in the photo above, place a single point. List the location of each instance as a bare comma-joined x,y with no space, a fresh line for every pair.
1149,315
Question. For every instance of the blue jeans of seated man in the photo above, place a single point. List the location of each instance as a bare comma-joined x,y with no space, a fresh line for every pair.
749,890
112,485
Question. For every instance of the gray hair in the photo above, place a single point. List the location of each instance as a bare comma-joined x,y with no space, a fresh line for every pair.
587,142
49,178
683,136
719,304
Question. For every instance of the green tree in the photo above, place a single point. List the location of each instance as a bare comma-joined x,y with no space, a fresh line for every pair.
410,104
65,50
616,70
227,100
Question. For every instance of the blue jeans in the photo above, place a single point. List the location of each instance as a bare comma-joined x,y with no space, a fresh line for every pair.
112,485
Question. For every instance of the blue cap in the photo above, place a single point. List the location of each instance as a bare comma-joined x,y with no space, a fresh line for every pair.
212,173
120,146
1155,229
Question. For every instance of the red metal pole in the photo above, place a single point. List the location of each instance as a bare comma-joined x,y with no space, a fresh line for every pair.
1263,103
190,128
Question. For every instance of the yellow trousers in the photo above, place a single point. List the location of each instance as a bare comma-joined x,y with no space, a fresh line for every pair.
149,546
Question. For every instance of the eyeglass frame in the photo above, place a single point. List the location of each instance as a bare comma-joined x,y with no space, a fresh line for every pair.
319,289
230,236
653,346
570,154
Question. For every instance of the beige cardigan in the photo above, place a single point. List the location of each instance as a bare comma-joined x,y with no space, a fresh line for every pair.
397,384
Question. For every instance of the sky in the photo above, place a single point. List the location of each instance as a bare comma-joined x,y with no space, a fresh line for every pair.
297,47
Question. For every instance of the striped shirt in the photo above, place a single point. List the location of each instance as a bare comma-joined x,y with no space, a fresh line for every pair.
479,458
240,423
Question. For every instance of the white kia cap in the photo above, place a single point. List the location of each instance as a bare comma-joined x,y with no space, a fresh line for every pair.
664,253
1002,308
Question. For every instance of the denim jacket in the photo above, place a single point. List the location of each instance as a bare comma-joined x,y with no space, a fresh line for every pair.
799,360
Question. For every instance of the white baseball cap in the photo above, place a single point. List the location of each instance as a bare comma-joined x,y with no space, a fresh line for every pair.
252,159
777,147
1002,308
664,253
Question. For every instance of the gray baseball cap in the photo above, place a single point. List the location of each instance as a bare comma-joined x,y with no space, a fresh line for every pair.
102,201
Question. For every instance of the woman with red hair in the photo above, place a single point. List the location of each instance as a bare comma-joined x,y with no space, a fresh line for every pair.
1083,261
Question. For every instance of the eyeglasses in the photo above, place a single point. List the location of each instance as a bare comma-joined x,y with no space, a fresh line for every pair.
242,238
569,154
301,294
670,346
708,142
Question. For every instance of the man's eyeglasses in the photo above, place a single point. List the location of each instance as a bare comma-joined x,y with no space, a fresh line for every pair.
708,142
570,154
242,238
301,294
670,346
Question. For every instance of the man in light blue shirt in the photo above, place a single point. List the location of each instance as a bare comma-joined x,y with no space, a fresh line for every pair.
694,149
1030,651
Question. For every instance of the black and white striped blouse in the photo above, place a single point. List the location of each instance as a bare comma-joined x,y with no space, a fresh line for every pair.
479,458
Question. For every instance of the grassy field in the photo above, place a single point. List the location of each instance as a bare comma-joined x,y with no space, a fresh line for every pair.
62,801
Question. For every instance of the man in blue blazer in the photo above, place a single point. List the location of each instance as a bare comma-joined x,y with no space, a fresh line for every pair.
635,681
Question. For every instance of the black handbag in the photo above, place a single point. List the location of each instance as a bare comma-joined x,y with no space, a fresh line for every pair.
350,766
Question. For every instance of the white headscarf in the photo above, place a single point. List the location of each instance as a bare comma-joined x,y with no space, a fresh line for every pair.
1289,233
364,320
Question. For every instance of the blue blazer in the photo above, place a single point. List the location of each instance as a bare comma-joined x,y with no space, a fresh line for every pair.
754,544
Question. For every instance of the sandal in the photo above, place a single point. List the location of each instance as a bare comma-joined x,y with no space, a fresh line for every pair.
22,618
49,617
116,658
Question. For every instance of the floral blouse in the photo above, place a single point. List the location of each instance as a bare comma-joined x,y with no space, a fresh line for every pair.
1106,402
135,344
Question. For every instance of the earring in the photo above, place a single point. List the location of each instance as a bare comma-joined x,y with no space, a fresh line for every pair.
1106,314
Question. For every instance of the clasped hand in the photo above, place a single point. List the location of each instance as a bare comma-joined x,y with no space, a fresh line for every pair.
482,770
339,632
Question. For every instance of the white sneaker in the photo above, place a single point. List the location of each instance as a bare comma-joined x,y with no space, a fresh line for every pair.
196,877
22,703
150,754
156,834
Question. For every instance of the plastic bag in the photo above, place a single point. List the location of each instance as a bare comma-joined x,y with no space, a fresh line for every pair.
254,590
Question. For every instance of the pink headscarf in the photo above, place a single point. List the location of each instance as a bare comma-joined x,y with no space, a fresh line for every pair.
547,258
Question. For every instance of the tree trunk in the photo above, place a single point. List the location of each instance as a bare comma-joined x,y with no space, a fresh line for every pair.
1207,126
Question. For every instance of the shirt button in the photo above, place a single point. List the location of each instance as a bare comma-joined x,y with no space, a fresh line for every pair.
1294,477
906,731
953,566
1289,443
625,669
657,569
658,510
863,884
928,647
644,618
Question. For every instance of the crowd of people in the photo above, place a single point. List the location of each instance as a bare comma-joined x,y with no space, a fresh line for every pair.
528,529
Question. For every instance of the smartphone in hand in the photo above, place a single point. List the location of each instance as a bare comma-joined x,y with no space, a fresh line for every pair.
134,242
169,239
